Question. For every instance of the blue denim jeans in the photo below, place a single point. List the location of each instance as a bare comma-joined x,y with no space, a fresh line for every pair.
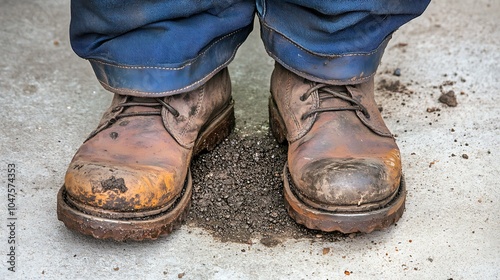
165,47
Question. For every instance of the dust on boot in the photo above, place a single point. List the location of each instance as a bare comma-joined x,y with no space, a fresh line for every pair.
131,179
344,169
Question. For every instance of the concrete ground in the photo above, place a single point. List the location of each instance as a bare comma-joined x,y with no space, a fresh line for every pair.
50,101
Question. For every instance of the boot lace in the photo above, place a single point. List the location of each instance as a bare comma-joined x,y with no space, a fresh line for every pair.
157,103
327,92
144,102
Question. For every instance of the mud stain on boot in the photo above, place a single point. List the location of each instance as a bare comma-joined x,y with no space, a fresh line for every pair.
114,184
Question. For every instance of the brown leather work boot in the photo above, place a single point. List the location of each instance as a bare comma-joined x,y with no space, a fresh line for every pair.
131,178
344,169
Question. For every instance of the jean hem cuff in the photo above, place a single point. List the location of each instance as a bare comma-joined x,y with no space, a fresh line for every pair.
337,69
160,81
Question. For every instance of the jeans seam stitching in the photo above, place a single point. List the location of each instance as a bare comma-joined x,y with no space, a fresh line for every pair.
168,68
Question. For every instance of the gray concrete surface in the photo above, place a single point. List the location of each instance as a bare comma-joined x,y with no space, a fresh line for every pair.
50,100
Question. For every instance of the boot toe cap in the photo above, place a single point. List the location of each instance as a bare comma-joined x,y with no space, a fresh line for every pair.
348,184
121,188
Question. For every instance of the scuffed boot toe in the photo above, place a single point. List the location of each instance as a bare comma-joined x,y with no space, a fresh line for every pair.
347,185
344,199
121,189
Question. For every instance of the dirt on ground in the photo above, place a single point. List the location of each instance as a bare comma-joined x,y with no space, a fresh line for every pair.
238,188
238,193
394,86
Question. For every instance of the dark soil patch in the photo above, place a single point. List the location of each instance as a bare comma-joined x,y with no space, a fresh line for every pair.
238,193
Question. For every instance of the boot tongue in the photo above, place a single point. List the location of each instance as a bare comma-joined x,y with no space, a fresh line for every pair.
144,104
142,99
328,100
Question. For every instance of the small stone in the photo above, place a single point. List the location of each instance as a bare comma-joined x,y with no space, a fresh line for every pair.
397,72
449,99
465,156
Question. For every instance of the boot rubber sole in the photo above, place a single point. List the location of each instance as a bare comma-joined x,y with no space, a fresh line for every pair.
143,225
328,221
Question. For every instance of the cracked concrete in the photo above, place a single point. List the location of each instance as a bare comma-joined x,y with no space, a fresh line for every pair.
50,100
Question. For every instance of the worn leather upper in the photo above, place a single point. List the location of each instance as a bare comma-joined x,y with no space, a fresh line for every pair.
338,160
141,162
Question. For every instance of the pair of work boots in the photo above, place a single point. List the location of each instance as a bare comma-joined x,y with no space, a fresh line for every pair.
131,178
